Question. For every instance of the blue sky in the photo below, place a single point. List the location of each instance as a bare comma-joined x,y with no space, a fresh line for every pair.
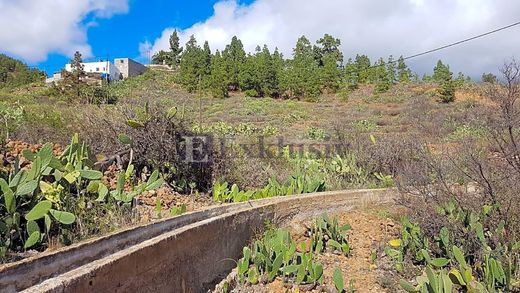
46,33
120,35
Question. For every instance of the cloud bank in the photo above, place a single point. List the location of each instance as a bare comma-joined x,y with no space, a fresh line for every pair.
374,27
31,29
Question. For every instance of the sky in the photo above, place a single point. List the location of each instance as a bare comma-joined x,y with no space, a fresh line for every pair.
46,33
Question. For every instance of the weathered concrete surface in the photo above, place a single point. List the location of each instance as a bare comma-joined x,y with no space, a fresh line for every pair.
190,253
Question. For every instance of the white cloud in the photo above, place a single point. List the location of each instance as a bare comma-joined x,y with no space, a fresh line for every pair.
31,29
375,27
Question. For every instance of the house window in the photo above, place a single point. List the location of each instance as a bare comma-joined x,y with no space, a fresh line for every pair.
122,61
103,68
97,69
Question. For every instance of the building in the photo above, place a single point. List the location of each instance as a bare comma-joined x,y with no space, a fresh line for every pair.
103,69
128,67
122,68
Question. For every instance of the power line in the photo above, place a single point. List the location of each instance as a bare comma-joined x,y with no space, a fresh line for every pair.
443,47
463,41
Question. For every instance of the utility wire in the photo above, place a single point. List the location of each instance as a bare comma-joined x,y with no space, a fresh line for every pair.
463,41
442,47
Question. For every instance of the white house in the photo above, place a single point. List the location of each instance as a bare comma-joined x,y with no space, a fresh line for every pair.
122,69
105,68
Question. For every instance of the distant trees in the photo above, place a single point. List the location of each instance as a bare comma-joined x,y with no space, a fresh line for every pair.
489,78
14,73
312,70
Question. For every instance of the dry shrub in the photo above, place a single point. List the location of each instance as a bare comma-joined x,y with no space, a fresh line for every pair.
480,172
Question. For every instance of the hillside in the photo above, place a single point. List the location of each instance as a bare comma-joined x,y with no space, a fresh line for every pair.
14,73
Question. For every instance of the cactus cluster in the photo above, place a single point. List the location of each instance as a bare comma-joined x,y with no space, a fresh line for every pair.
497,269
327,233
278,255
37,202
297,184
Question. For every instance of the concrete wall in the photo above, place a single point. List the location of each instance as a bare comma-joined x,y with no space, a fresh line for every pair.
129,67
190,253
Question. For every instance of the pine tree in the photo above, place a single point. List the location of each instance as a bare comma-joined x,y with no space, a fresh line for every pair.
278,70
175,50
329,60
489,78
302,79
193,66
447,91
380,76
219,79
235,57
206,58
362,64
73,80
391,70
460,80
351,75
441,72
77,68
404,74
248,77
171,58
161,57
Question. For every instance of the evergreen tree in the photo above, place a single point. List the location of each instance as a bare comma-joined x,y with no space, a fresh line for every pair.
329,59
172,57
161,57
260,74
380,76
175,50
219,78
249,78
77,68
193,66
206,56
351,75
278,70
441,72
329,46
73,80
391,70
404,74
362,64
302,79
447,91
489,77
460,80
14,73
235,57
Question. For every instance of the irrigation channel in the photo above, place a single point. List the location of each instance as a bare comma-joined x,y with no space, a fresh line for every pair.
189,253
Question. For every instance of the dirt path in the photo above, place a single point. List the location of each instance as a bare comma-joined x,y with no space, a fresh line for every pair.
370,229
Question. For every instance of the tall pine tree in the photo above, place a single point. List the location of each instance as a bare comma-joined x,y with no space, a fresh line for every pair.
403,72
193,66
302,76
235,57
330,59
219,79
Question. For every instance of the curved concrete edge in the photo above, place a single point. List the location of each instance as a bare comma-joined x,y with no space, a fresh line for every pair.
48,264
190,253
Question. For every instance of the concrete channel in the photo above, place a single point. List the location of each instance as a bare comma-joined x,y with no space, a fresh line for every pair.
189,253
